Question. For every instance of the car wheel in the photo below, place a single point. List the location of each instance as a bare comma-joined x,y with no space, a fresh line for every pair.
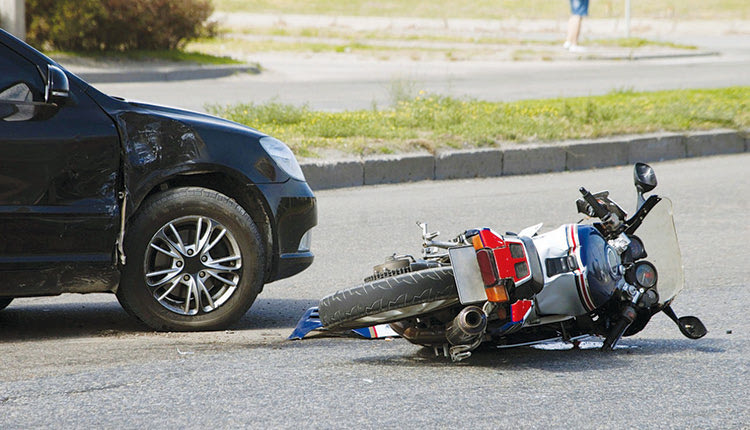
194,261
4,302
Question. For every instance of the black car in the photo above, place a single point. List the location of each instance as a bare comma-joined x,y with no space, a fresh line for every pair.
183,215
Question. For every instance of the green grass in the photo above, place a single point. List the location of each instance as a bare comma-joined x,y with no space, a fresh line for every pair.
429,122
177,56
494,9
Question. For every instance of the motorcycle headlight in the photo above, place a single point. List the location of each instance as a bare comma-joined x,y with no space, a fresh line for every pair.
614,262
635,251
283,157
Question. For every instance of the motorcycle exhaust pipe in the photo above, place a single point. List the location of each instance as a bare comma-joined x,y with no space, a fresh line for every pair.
466,326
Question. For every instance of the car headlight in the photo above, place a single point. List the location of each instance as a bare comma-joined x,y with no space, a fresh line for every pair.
283,157
304,243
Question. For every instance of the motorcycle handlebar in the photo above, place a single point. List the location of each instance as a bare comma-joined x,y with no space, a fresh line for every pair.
599,210
440,244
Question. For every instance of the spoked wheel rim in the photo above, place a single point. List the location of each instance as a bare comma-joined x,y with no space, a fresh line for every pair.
192,265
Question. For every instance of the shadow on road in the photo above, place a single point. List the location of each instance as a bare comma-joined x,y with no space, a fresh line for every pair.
23,321
274,313
557,360
49,321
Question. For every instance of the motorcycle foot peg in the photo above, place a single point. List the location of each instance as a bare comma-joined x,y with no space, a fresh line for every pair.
460,352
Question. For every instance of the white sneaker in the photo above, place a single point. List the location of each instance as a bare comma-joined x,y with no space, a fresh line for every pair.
576,48
566,45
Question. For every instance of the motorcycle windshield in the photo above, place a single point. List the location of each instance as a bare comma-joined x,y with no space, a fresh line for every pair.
660,240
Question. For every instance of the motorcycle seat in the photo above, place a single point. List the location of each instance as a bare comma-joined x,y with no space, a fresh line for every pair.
528,289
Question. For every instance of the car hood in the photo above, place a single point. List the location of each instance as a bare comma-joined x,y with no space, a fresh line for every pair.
197,120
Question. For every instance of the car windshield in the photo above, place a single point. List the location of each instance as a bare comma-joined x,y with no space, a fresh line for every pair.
660,240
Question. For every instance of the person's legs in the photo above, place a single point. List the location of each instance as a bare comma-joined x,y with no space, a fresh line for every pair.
578,9
574,29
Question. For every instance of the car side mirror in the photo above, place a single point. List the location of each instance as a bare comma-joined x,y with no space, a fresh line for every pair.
645,180
58,89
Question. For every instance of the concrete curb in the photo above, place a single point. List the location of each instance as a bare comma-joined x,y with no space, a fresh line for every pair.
163,74
523,159
635,56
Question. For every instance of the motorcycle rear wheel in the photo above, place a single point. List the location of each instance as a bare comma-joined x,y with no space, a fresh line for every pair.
391,299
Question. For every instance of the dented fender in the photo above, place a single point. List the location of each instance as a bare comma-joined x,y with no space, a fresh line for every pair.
159,143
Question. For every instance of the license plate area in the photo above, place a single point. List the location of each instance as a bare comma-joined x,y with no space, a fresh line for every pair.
468,276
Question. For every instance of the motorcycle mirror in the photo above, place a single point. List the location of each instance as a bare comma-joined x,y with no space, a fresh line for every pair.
645,180
692,327
644,177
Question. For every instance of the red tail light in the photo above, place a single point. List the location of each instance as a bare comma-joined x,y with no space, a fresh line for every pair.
487,267
500,257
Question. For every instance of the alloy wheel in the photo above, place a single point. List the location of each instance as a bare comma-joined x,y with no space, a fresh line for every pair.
192,265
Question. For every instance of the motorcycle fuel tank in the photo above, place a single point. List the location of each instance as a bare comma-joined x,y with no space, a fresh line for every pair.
580,270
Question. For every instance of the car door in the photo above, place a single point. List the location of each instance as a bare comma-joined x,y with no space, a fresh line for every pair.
59,164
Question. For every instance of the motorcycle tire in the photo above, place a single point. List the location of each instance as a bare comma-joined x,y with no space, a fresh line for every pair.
390,299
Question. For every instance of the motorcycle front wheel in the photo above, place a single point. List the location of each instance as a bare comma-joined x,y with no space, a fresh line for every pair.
391,299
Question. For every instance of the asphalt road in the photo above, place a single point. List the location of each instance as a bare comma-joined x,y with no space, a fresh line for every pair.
79,361
330,82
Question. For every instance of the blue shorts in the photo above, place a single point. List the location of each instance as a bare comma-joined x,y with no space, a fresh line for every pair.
579,7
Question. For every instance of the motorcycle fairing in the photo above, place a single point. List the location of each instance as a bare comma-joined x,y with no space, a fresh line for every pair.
601,265
562,291
509,254
519,310
585,283
522,313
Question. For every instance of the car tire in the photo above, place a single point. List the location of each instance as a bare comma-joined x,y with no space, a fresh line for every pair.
194,261
4,302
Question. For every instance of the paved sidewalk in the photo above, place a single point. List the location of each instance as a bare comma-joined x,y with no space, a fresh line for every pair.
513,50
146,71
528,40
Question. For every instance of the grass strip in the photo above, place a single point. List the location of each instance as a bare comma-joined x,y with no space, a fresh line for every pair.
431,122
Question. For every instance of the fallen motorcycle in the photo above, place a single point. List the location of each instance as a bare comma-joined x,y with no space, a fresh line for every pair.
593,278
